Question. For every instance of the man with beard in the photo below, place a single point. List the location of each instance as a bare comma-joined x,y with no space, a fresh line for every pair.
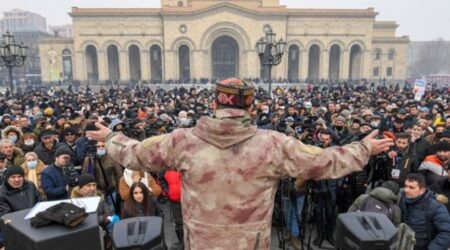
435,169
401,159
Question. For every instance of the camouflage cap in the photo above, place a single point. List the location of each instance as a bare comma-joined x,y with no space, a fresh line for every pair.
235,93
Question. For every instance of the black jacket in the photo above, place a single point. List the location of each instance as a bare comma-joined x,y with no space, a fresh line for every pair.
15,199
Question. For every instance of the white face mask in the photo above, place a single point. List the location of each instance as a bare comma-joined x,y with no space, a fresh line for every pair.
101,152
375,124
32,164
29,142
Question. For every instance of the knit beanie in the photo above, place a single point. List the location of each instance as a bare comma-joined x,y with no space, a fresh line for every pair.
14,170
85,179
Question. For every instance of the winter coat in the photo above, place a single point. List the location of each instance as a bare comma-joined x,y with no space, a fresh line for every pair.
406,163
103,210
173,179
17,159
383,194
54,183
48,155
39,168
429,219
112,170
17,130
435,173
15,199
231,172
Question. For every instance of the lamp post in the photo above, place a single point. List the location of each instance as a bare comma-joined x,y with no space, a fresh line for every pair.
270,52
12,55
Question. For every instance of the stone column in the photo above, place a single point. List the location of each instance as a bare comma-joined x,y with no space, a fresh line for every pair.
325,64
304,64
102,66
79,66
345,67
124,66
145,65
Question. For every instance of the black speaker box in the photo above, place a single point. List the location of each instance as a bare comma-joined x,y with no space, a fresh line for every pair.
20,235
365,231
144,233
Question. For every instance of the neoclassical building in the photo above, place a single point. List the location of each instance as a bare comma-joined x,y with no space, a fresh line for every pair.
187,39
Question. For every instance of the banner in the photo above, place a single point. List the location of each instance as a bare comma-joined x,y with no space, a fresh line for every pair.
419,89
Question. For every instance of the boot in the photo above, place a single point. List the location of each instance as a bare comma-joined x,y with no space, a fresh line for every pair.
318,241
331,240
295,242
180,236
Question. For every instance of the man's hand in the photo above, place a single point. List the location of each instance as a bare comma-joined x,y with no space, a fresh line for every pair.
100,134
378,145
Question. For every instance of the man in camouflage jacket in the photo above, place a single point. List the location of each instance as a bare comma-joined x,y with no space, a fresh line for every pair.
230,169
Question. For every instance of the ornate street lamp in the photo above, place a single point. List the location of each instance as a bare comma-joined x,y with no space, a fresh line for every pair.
12,55
270,51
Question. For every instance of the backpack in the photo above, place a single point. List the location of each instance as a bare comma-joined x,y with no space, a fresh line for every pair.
372,204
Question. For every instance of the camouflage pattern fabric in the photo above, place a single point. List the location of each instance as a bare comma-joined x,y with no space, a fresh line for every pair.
230,171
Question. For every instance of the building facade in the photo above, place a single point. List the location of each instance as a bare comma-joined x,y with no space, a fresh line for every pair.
19,20
193,39
61,30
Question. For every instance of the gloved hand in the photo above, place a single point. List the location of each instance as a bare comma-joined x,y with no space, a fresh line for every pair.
113,219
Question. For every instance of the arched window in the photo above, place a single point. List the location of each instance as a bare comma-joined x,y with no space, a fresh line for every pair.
113,63
91,63
156,64
134,57
294,54
67,65
314,63
391,55
225,57
377,54
184,63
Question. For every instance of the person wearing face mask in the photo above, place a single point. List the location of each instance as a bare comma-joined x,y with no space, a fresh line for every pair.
13,134
106,172
29,142
33,168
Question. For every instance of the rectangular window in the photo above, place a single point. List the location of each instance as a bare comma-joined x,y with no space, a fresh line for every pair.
389,71
376,71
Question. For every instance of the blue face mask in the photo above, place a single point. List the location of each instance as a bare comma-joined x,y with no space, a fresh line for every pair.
32,164
101,152
13,138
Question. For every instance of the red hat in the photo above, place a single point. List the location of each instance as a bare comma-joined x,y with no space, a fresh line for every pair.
234,93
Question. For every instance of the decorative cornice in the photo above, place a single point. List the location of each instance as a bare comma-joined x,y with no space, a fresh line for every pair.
403,39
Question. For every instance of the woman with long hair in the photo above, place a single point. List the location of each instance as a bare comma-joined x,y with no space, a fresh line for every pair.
140,202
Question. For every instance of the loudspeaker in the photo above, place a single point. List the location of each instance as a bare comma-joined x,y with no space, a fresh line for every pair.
19,234
364,231
139,233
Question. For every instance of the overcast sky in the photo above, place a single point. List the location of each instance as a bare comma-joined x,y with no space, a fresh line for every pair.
420,19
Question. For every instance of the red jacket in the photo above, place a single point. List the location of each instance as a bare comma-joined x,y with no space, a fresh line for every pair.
173,178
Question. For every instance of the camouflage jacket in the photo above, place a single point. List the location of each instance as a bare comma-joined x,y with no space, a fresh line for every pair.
230,171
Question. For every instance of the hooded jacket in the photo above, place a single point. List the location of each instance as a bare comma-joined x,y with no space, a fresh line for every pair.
230,173
386,196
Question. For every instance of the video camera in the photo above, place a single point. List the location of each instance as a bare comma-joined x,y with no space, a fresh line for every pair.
71,174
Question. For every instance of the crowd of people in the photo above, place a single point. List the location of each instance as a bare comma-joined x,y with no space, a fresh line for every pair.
45,152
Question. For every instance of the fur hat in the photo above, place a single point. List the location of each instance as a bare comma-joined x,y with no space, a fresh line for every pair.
85,179
235,93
